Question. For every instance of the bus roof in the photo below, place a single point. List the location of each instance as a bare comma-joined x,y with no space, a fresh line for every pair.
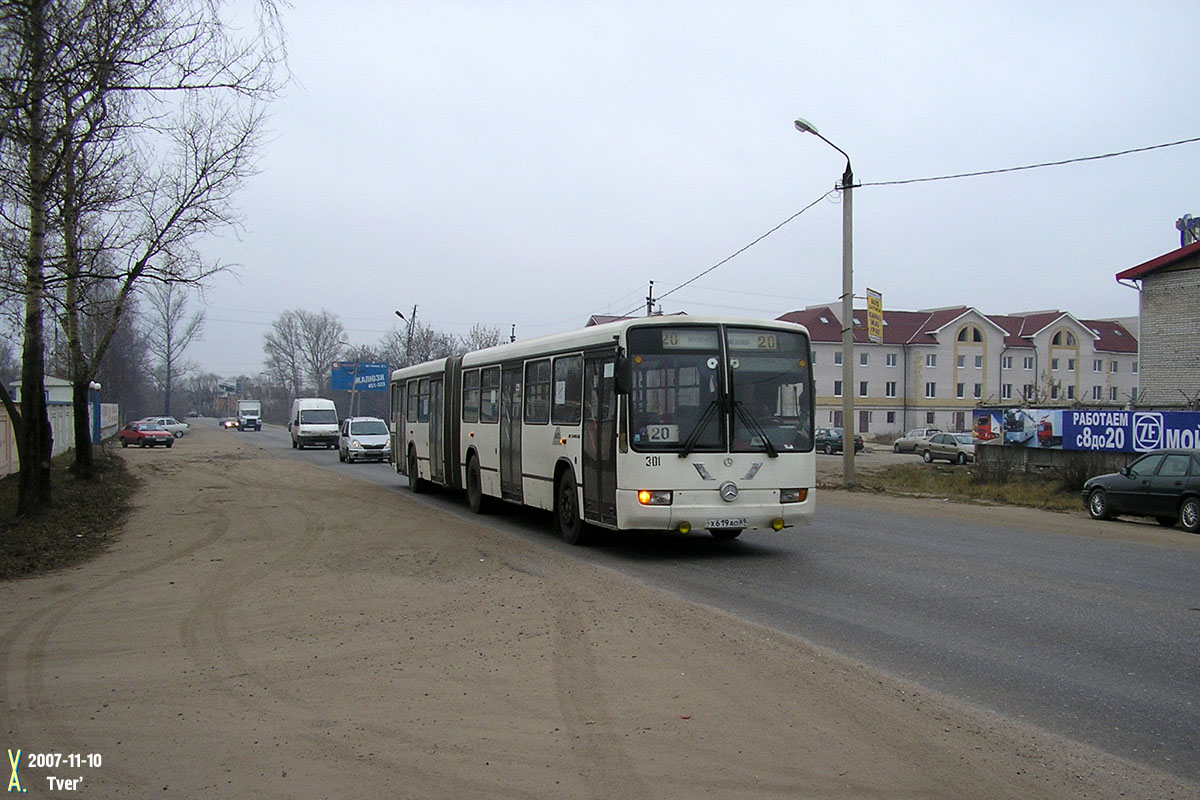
584,338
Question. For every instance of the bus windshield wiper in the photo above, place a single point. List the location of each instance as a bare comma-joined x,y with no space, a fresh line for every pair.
743,413
698,429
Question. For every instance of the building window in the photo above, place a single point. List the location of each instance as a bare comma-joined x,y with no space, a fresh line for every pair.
931,389
1070,392
970,334
1097,393
890,359
837,388
1028,363
891,417
1054,391
863,359
978,390
1006,392
959,390
1114,370
862,388
1054,365
928,417
890,388
1098,365
1112,394
962,361
1135,368
1006,362
1064,338
1070,365
1027,391
978,362
1133,394
837,357
931,360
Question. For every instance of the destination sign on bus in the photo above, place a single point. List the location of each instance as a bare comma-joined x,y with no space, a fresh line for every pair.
689,339
749,340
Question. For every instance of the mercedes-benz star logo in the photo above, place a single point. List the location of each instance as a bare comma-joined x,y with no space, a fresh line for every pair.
729,491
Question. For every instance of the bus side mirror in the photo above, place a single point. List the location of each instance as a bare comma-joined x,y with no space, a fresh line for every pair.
624,374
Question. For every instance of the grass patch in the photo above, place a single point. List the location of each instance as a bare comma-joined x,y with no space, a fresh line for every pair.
968,485
83,516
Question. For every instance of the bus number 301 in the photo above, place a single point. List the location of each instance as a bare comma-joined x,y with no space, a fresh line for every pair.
653,461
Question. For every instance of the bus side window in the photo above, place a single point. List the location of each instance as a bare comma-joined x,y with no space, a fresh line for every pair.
568,391
470,398
489,396
537,392
412,401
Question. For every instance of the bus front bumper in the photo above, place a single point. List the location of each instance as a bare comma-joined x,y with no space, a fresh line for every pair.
704,509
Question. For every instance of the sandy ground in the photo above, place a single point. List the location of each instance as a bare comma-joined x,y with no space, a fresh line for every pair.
263,628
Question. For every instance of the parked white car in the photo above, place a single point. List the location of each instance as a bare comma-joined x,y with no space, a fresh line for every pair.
177,428
914,441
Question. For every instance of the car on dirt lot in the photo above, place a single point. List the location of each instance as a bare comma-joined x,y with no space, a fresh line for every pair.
829,440
364,439
177,428
957,448
912,441
1163,484
145,434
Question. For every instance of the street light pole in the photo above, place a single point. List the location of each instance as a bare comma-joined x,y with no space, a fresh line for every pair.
848,426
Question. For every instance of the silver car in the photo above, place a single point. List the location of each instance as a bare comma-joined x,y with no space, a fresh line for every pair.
364,439
957,448
914,440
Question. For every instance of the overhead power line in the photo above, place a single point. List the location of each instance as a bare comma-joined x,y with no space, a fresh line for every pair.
1032,166
980,173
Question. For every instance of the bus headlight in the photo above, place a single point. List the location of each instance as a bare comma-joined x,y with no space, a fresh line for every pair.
793,495
651,497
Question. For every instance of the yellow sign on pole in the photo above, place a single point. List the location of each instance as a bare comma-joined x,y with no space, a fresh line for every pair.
874,316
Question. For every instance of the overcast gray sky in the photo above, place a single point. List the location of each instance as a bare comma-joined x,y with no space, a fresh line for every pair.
533,163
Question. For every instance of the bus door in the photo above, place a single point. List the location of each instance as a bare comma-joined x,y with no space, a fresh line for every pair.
437,461
510,433
599,440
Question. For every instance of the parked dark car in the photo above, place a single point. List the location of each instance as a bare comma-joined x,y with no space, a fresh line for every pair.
1164,484
829,440
145,434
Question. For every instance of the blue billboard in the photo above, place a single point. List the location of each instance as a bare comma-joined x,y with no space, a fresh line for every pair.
359,376
1100,430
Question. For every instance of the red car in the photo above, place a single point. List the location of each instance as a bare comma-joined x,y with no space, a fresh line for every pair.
145,434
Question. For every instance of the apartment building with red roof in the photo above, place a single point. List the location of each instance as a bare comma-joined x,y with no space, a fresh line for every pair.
934,366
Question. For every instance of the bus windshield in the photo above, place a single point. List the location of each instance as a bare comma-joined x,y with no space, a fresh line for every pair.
675,396
679,400
772,402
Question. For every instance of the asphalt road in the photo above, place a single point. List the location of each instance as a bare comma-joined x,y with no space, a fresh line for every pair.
1092,638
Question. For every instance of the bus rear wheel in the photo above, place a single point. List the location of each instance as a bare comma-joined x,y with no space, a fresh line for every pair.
475,497
414,480
567,522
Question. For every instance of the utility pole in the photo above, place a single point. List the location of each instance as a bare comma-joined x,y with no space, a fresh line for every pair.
650,301
512,337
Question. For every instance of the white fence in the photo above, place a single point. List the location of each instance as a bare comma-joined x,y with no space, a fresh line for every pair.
62,427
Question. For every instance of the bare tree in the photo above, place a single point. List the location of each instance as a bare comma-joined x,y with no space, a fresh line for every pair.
480,337
303,345
282,349
159,87
169,333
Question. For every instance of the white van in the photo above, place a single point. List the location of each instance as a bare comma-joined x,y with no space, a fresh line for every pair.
314,421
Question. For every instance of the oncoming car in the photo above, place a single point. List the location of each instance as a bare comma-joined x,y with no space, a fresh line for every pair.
145,434
364,439
1164,484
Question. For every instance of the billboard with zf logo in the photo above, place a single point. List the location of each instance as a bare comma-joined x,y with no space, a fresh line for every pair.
1090,429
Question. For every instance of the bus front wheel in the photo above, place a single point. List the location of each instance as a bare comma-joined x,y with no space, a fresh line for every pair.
566,510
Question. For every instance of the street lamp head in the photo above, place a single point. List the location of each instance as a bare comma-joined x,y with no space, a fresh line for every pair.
804,126
401,316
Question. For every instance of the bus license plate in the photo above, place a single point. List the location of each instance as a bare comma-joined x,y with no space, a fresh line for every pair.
724,524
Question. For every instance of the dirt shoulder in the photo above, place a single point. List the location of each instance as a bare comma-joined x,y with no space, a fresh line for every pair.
267,628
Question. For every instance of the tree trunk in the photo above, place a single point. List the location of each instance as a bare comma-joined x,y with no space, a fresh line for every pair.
83,431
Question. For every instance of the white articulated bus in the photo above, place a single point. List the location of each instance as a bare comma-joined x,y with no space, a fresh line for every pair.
663,423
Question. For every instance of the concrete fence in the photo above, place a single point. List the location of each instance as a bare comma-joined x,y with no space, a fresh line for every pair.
102,420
